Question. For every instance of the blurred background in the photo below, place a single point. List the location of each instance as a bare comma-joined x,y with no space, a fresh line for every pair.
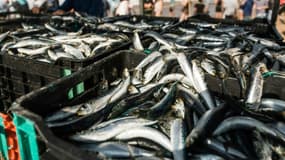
239,9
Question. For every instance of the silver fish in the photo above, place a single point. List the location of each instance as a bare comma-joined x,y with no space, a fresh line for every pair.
137,42
186,68
99,103
146,133
63,55
49,27
30,42
256,88
160,39
175,77
52,55
32,52
108,130
4,35
206,157
208,66
85,49
188,31
117,150
73,51
263,41
153,70
178,139
63,113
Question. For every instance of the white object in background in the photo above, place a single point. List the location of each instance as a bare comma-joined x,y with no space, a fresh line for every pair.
60,2
3,6
35,3
123,8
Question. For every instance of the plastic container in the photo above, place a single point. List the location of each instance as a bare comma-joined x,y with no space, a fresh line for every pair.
19,75
9,143
271,88
39,103
10,21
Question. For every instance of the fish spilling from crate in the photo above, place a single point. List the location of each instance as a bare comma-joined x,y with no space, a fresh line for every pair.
163,109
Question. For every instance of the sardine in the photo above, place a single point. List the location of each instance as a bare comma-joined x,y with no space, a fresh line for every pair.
177,139
147,133
110,129
29,42
175,77
247,123
73,51
201,85
137,42
163,105
32,52
206,157
3,36
186,68
117,150
256,88
206,124
208,67
99,103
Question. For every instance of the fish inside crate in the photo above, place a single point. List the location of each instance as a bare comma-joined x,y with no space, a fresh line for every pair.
163,107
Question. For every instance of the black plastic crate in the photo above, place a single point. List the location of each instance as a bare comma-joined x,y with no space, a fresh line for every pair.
260,27
10,21
35,74
271,88
31,72
14,68
42,101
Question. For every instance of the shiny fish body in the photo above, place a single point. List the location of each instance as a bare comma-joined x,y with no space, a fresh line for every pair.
146,133
164,104
186,68
159,38
137,42
73,51
4,35
63,113
256,88
117,150
206,157
100,103
175,77
52,55
29,42
153,70
201,85
109,130
32,52
209,67
247,123
177,139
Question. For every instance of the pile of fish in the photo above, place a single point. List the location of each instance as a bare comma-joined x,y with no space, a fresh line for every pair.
52,44
163,109
135,23
73,37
